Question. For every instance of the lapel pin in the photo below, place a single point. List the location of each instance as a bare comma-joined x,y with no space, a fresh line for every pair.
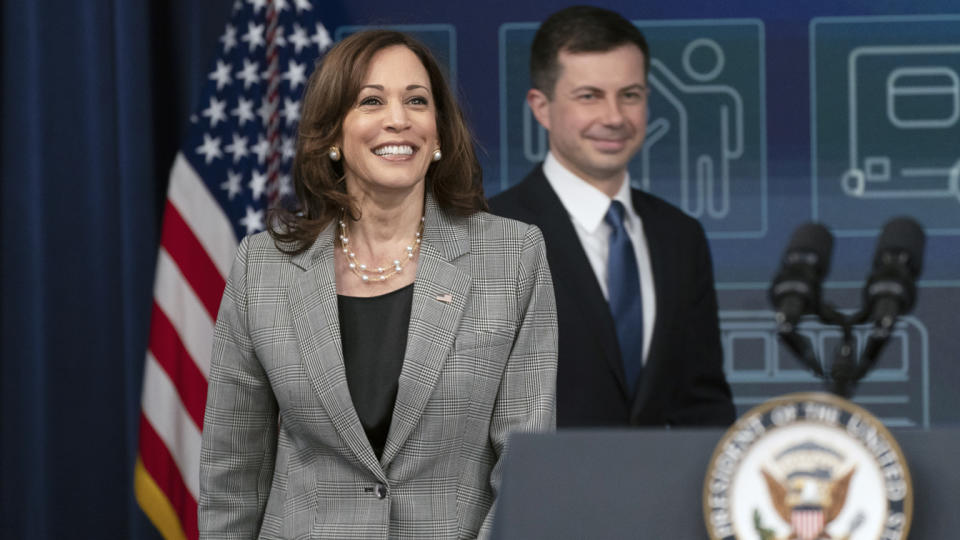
445,298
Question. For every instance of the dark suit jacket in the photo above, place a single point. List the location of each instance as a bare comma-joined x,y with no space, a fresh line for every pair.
683,380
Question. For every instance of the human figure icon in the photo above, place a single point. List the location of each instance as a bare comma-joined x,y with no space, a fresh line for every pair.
707,124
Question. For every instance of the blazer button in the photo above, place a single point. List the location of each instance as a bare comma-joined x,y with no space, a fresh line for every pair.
381,491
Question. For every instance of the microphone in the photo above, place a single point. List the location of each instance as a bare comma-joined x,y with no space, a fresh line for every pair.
891,289
795,290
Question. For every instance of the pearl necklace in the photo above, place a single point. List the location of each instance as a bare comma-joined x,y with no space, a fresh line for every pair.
378,274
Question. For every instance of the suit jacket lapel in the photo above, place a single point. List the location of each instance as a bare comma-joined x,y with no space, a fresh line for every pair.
313,305
569,264
439,296
655,238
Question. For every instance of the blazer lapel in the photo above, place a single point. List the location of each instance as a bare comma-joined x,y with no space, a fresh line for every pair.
572,271
313,305
439,296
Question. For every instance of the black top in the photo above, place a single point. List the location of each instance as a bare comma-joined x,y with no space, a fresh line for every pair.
373,332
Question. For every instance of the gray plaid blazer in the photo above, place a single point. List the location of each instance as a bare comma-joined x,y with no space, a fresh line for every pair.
284,454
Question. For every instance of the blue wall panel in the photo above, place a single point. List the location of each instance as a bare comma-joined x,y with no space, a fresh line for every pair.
764,115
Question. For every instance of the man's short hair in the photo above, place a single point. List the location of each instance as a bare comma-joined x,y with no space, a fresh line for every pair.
579,29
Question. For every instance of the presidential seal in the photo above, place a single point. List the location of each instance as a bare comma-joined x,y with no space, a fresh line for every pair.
808,466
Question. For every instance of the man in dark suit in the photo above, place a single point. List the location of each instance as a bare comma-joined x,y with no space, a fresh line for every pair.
639,340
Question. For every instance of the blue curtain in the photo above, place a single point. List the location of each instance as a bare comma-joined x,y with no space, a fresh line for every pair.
96,95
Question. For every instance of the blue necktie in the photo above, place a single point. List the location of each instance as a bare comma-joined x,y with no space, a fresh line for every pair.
623,286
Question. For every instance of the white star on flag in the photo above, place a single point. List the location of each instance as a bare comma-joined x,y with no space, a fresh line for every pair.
261,149
232,185
258,184
279,39
321,38
210,149
221,75
287,148
229,38
238,147
253,221
257,5
254,36
215,112
286,185
295,74
266,110
243,111
249,73
298,38
291,111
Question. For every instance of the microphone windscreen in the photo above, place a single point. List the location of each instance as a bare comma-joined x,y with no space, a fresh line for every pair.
810,245
902,238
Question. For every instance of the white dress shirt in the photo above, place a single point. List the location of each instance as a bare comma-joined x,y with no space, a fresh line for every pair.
587,207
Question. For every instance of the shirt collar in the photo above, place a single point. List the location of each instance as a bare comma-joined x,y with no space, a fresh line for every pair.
585,203
626,197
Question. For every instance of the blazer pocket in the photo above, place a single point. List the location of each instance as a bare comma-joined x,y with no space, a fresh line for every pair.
480,357
470,341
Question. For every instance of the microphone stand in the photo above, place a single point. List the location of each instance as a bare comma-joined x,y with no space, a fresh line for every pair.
878,339
801,346
846,370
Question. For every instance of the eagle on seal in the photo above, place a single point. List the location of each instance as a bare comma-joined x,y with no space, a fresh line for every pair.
809,501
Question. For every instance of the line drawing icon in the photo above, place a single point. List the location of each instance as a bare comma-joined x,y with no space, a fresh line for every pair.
885,122
922,99
720,125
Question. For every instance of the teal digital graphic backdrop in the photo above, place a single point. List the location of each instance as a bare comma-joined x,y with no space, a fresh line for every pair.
764,116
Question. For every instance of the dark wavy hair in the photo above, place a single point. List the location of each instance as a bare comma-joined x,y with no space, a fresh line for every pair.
455,181
579,29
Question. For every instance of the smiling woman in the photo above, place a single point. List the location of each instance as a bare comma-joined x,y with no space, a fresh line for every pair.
389,137
376,348
350,92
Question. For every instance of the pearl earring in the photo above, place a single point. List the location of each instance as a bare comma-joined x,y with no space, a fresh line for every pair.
437,155
334,153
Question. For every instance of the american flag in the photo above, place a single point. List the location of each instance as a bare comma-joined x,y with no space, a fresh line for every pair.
236,159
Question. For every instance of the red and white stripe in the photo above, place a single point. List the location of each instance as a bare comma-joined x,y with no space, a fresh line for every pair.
197,247
807,523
